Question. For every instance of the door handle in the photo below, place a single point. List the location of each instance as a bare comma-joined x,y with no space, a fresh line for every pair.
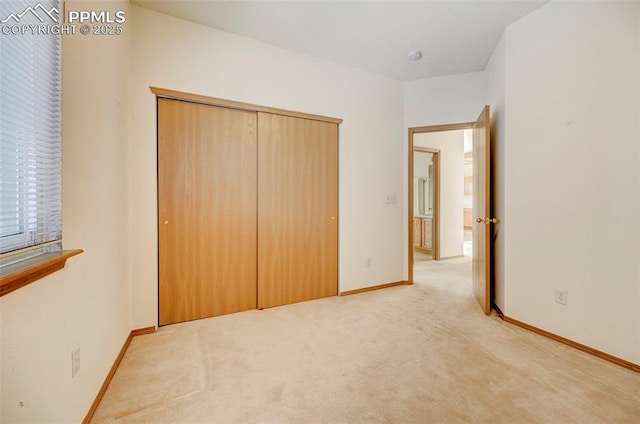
486,220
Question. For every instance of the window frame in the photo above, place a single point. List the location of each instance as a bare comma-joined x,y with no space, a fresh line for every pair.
32,156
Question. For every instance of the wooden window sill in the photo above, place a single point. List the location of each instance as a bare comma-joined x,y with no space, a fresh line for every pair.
25,272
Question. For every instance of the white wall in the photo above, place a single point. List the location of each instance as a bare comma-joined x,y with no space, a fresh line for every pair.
495,77
444,100
451,146
571,170
176,54
86,304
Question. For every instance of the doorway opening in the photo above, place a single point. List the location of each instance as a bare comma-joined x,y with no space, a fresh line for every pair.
440,194
426,200
450,244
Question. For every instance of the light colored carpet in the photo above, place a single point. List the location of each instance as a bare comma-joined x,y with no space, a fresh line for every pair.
408,354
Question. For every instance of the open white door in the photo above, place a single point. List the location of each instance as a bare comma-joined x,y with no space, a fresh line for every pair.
481,206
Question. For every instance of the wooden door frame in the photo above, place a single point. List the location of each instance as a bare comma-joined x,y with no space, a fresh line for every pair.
436,221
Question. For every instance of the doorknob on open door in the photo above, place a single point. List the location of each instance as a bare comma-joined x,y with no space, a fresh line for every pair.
486,220
479,220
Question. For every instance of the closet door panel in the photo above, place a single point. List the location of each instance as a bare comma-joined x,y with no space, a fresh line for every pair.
297,209
207,210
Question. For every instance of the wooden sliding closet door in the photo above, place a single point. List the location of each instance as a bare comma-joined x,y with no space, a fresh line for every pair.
297,209
207,210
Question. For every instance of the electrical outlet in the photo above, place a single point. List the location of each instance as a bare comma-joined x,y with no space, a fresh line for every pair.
561,296
75,362
369,262
391,199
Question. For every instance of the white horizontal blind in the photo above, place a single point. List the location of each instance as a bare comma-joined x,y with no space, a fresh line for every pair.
30,127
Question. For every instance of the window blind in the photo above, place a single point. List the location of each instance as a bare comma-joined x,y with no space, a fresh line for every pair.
30,127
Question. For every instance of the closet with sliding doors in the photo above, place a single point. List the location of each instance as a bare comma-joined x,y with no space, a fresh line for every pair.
247,206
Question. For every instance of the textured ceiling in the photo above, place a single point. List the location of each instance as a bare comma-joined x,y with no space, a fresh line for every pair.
454,36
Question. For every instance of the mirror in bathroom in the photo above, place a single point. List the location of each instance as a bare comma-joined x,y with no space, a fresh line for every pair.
423,184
